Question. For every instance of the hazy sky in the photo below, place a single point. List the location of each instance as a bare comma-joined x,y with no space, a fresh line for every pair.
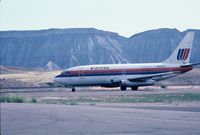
125,17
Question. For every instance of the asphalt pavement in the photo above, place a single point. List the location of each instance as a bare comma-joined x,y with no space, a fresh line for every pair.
41,119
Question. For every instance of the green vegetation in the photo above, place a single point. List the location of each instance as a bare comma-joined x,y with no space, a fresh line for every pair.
14,98
163,86
168,98
11,98
146,98
33,100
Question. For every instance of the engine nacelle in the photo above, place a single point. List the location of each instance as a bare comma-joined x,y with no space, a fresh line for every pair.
128,83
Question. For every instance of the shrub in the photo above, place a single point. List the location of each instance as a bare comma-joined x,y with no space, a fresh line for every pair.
33,100
11,98
163,86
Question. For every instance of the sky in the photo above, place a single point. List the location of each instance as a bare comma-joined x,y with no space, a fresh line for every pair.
126,17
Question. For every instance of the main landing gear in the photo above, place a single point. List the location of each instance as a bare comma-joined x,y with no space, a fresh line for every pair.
134,88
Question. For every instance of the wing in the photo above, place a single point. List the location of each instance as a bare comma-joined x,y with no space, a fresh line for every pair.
156,77
147,78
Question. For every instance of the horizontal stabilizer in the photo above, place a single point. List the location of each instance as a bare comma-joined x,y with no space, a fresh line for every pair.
190,64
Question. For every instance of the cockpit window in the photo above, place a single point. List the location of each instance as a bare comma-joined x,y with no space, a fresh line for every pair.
65,73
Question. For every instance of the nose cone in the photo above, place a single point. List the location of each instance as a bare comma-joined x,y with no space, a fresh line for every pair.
56,79
60,80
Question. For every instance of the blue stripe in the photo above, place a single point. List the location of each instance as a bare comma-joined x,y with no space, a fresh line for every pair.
179,51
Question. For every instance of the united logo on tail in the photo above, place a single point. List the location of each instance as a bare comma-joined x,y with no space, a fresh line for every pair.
183,54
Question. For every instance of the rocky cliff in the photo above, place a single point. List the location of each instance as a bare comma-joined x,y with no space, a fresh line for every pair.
70,47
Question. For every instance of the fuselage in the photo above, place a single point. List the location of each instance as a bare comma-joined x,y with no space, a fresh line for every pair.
110,75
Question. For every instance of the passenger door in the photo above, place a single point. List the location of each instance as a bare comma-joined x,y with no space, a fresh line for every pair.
123,72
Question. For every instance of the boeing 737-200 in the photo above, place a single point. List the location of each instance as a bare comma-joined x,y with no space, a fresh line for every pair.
130,75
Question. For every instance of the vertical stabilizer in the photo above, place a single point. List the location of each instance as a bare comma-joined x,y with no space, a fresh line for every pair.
181,54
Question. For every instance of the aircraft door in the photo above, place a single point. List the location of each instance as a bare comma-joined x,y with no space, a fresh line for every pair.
123,72
81,73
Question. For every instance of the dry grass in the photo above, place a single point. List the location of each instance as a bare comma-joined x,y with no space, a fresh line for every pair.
37,77
32,76
26,77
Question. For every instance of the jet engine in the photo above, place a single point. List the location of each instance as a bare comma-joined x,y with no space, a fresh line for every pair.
128,83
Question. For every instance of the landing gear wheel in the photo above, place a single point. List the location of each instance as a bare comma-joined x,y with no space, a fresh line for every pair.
73,89
134,88
123,88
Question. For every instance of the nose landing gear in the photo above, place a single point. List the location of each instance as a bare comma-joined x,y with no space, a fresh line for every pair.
73,89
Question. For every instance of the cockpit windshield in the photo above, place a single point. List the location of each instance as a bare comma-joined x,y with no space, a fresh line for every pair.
65,73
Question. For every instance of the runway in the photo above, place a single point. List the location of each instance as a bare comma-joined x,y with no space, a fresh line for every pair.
41,119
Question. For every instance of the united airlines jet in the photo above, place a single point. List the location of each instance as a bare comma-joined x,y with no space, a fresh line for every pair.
130,75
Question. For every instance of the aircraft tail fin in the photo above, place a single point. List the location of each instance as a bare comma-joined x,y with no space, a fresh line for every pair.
181,54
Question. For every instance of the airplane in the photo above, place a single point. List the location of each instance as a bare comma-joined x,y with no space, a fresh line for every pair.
130,75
